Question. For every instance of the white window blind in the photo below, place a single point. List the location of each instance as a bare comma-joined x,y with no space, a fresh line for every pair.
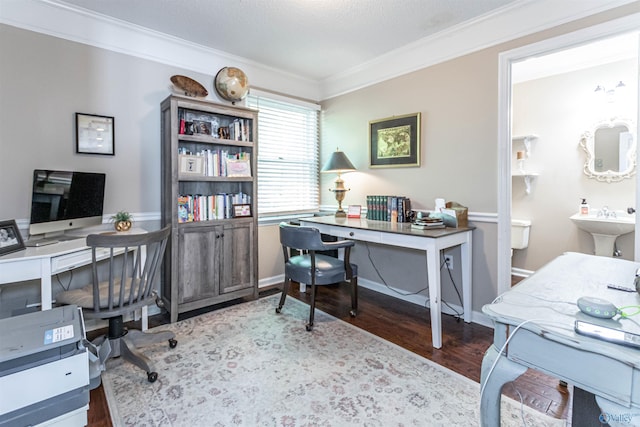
288,140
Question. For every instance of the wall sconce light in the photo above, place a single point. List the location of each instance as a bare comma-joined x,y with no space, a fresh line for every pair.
339,163
609,94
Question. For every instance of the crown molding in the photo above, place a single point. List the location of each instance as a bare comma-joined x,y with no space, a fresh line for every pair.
522,17
518,19
58,19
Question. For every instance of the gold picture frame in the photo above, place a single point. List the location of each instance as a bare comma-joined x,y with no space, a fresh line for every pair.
395,141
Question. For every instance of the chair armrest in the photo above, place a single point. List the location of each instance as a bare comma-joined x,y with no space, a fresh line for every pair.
339,244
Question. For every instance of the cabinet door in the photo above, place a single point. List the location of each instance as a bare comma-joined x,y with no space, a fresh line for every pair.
199,257
237,257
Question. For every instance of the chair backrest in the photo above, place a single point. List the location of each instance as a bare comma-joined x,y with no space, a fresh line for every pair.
301,238
133,262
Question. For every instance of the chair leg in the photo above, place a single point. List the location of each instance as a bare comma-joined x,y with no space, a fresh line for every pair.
314,291
354,296
285,290
129,352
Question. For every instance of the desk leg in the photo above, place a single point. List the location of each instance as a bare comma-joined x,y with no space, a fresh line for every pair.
45,284
505,371
435,292
465,262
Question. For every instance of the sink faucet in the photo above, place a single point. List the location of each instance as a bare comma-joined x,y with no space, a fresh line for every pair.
605,212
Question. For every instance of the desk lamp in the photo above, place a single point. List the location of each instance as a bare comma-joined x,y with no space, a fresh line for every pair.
338,163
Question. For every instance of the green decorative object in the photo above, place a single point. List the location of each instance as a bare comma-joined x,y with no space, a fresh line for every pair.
122,221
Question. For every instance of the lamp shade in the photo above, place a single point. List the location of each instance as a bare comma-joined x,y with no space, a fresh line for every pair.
338,162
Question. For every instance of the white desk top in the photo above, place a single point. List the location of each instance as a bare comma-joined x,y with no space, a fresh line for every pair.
47,251
60,248
548,299
384,226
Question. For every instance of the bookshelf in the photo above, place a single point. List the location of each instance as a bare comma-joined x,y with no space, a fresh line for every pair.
209,194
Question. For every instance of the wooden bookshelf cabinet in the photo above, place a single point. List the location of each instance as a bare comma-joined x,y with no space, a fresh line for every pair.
212,254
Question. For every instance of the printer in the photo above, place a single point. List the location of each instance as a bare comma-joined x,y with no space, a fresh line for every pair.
44,369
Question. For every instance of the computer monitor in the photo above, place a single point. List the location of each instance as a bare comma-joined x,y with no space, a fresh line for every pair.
64,201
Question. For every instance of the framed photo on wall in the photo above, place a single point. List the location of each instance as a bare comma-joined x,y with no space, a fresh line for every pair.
10,237
395,141
95,134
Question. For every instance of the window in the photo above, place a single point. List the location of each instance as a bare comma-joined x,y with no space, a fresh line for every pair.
288,141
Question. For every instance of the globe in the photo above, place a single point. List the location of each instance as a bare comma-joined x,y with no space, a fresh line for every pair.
231,84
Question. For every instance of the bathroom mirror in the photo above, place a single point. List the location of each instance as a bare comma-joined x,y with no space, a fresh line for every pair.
611,150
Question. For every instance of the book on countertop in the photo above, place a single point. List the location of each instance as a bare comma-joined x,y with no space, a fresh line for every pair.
427,223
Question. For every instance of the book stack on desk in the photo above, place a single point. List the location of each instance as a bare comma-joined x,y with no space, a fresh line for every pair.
427,223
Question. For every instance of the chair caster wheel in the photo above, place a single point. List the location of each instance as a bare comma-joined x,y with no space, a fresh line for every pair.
278,310
353,313
173,343
152,376
309,327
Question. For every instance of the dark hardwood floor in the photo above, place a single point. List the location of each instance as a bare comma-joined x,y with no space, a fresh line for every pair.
408,325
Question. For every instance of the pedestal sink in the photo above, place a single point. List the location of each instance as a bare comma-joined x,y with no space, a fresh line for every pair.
605,230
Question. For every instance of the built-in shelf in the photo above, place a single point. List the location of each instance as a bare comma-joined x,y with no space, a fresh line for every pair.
528,177
526,140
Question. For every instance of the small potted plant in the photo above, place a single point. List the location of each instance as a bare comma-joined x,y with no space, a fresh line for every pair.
122,220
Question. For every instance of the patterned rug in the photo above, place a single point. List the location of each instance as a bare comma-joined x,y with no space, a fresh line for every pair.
245,365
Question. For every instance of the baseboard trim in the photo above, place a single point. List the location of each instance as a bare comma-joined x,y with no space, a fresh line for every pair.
421,300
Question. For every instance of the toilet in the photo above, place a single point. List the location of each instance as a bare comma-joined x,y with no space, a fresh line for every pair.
520,234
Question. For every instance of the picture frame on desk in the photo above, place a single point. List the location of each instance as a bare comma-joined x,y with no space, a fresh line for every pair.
395,141
354,211
242,210
10,237
95,134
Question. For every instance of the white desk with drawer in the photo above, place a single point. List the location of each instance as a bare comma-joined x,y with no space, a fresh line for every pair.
43,262
401,234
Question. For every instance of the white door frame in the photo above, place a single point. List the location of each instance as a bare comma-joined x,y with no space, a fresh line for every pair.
506,59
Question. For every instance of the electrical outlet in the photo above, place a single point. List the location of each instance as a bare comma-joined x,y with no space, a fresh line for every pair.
448,261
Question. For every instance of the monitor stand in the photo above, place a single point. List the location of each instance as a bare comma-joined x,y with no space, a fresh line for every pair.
36,241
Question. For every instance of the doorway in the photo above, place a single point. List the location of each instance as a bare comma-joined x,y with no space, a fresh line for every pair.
508,127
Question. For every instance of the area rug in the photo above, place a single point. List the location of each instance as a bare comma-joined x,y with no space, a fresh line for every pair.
245,365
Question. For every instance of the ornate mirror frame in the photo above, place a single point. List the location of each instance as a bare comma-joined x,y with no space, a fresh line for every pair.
587,142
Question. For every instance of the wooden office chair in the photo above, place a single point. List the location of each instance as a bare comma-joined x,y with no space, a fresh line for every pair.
315,269
122,283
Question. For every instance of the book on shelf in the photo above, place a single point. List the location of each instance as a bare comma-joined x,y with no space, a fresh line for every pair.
216,162
198,207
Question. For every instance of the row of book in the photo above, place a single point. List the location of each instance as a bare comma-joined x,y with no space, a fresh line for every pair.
196,207
219,162
389,208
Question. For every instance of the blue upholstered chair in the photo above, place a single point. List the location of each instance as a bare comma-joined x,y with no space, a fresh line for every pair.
315,269
124,276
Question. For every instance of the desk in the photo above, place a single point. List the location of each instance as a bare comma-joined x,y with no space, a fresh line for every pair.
402,235
42,263
547,342
45,261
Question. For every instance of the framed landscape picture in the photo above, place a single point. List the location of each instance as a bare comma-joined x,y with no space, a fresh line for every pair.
395,141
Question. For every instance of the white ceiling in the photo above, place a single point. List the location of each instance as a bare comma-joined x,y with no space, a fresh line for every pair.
315,39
